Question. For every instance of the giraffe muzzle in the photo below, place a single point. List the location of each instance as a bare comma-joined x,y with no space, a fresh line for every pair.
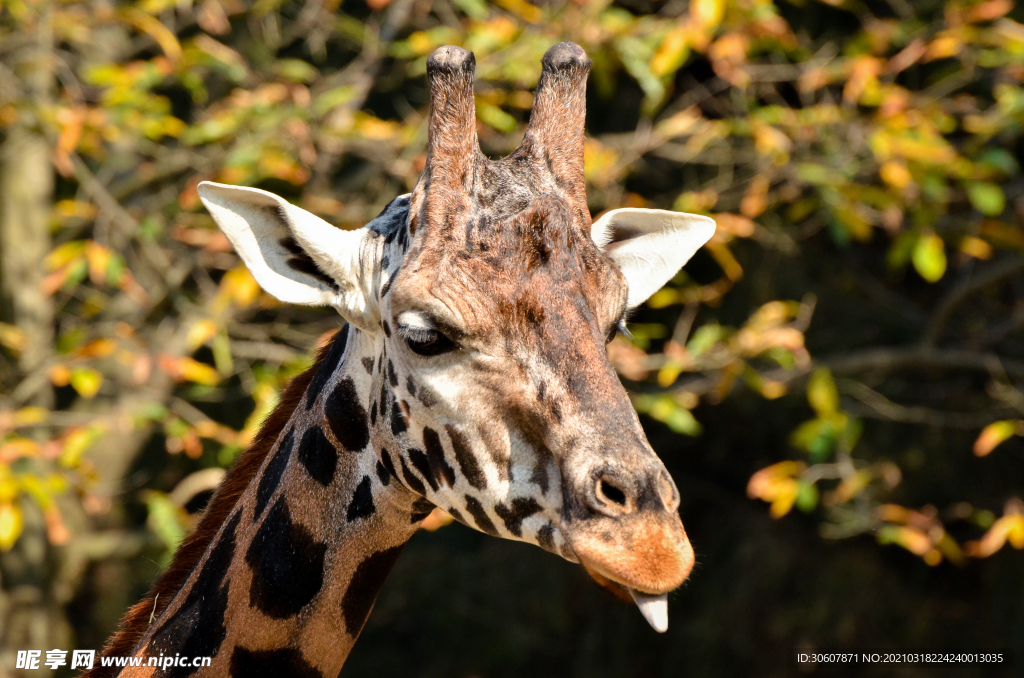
626,532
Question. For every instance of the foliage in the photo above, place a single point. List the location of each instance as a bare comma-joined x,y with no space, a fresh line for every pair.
868,151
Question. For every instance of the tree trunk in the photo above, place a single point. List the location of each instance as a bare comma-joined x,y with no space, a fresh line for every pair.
26,198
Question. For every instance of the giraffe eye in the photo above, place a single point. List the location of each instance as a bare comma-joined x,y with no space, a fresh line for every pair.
618,328
428,342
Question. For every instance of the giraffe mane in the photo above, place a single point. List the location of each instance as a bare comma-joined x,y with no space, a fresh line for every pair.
137,619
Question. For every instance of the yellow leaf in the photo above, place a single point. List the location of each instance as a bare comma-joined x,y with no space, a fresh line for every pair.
8,486
195,371
672,53
773,390
240,287
724,257
374,128
678,124
27,416
99,258
707,13
64,254
863,74
86,381
785,498
995,434
777,481
998,535
895,174
12,337
1015,533
772,142
10,526
522,9
696,201
914,540
929,257
200,332
668,374
976,247
943,47
77,441
822,394
162,35
599,162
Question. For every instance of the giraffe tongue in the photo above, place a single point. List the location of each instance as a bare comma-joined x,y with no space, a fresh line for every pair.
653,608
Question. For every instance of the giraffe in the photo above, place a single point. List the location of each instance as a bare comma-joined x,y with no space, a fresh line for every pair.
471,374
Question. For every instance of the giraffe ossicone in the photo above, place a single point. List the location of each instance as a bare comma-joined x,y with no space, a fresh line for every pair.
472,376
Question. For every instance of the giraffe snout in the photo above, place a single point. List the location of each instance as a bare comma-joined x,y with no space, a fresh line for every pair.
614,492
626,528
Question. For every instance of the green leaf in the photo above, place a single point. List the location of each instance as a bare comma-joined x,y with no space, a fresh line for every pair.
635,56
166,519
816,437
474,9
901,249
332,98
1000,159
492,115
222,358
704,338
929,257
295,70
682,421
666,409
806,496
986,197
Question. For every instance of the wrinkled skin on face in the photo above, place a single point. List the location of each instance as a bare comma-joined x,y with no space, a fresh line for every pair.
543,441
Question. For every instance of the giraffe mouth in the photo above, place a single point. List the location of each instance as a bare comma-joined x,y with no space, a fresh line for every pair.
653,607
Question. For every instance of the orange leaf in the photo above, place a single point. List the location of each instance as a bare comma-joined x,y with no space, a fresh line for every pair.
18,448
755,199
996,433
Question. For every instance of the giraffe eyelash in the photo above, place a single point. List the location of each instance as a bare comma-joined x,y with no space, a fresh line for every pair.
417,334
426,341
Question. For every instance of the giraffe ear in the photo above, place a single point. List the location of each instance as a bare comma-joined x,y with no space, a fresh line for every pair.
297,256
650,246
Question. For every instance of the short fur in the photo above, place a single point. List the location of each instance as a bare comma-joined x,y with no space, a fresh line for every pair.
135,622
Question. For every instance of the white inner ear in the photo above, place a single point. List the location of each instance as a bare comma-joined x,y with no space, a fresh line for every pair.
258,225
294,255
650,246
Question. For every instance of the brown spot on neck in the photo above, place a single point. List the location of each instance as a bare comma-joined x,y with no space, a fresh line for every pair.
135,622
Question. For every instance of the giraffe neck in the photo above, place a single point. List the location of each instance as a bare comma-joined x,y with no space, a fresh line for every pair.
288,582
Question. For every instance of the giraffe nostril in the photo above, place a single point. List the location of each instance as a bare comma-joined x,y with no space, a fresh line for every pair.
667,490
609,492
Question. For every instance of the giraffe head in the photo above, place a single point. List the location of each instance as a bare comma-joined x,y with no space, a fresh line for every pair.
488,297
